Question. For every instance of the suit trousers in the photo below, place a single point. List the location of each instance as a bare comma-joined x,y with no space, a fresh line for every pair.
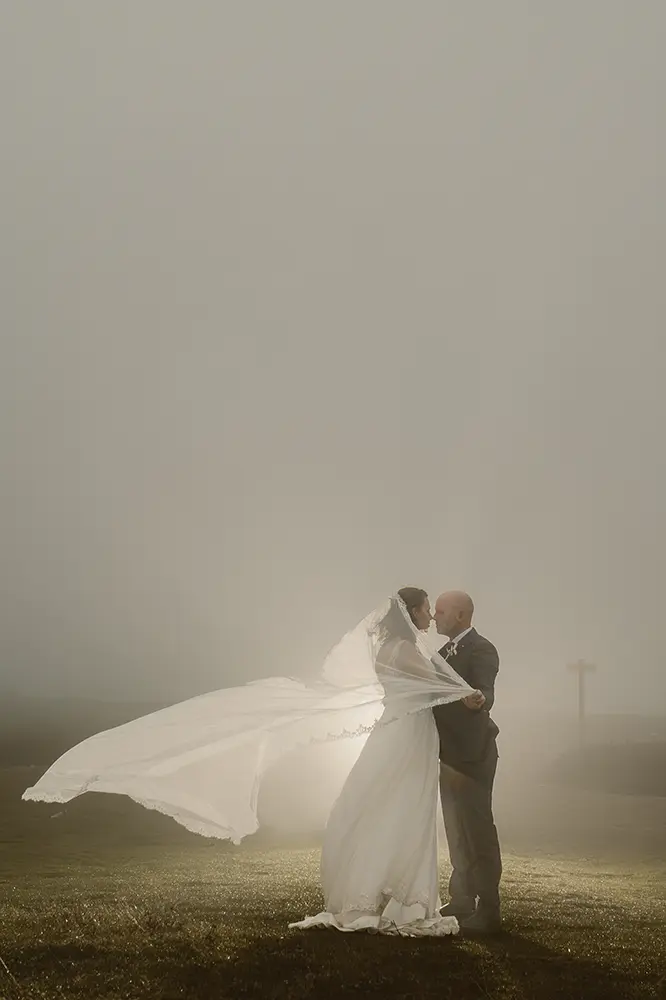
474,847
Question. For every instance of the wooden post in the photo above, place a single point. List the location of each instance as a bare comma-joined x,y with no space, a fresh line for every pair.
581,668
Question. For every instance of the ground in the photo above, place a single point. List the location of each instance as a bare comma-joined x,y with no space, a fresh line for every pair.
104,900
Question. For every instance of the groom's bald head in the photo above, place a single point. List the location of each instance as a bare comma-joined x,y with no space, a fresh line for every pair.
454,611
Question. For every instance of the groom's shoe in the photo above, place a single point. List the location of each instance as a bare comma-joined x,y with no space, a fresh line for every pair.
485,920
461,909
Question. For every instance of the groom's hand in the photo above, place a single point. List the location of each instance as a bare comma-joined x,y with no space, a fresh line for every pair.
475,701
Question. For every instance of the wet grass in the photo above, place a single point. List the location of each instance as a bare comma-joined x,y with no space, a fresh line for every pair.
107,901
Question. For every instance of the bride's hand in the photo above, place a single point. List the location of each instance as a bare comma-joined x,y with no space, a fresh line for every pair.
475,701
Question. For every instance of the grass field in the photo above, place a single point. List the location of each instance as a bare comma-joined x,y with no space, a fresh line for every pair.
107,900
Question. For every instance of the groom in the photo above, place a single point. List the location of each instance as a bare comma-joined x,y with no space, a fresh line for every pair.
468,761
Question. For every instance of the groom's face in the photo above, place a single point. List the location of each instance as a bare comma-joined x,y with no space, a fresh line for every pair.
447,618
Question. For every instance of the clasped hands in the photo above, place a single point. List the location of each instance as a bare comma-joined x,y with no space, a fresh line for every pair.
475,701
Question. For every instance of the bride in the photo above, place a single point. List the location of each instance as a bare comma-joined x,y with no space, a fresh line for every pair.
379,864
202,761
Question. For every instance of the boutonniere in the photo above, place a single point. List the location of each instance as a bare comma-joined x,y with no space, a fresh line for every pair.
452,652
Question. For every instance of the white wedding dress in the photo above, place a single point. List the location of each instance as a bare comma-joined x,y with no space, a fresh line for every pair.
379,864
202,762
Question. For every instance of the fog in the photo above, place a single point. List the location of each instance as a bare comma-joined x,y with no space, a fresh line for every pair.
302,303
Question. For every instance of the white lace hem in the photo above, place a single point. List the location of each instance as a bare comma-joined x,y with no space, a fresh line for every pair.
408,920
192,823
378,924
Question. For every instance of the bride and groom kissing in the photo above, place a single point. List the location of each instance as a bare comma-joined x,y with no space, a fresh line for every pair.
429,738
380,854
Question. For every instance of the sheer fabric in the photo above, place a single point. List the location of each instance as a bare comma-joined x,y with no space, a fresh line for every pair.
202,761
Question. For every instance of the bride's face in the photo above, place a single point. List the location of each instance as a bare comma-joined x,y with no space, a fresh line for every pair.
422,616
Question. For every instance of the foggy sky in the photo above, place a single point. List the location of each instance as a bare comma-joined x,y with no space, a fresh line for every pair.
304,302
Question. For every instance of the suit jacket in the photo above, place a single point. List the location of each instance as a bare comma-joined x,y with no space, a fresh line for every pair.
466,736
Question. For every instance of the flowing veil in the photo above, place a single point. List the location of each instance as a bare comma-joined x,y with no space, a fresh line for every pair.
201,761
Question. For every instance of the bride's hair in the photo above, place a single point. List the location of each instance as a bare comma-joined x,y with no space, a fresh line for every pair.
413,598
394,625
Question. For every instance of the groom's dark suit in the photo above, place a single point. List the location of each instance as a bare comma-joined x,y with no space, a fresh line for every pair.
468,755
